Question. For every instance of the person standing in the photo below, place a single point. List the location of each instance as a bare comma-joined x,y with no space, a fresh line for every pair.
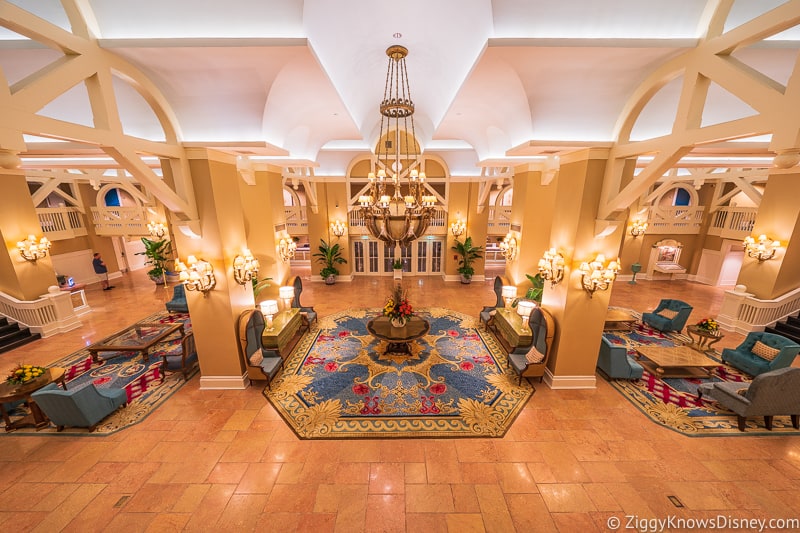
101,270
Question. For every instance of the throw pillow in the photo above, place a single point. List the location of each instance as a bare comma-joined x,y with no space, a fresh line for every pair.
668,313
742,392
764,352
534,356
256,358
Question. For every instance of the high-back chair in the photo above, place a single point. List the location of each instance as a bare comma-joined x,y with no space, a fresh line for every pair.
178,303
307,312
531,361
488,311
262,364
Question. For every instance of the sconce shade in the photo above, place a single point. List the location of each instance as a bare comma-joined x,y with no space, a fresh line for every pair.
595,276
156,229
763,249
338,228
638,228
509,247
458,228
551,266
197,276
286,248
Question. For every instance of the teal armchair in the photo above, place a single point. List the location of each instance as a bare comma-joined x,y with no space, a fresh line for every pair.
743,358
674,317
308,312
178,303
615,362
85,406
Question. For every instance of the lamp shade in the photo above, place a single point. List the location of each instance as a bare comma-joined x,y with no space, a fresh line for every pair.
525,308
286,292
269,307
509,291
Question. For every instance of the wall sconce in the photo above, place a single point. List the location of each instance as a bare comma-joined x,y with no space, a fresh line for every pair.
595,276
286,293
638,228
245,267
458,228
31,250
286,248
338,228
508,292
551,267
509,247
198,276
761,250
156,229
524,309
269,308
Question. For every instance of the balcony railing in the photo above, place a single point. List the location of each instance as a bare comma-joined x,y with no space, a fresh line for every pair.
677,219
733,222
499,220
120,220
59,223
437,226
296,219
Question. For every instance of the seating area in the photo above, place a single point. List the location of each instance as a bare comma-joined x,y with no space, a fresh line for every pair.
180,355
670,315
761,352
773,393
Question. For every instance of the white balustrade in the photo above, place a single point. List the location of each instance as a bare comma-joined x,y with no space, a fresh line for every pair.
674,219
52,313
742,313
733,222
59,223
120,220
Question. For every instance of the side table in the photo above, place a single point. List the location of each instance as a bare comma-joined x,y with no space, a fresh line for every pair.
702,339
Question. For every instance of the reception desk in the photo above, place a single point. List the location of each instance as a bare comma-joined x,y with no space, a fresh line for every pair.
287,328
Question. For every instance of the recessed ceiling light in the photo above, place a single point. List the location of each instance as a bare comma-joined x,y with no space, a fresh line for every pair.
397,35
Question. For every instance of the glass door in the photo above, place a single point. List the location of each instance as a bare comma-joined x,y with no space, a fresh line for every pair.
420,258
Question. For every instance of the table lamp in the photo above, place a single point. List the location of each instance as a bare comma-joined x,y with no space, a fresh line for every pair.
525,308
508,292
286,293
269,308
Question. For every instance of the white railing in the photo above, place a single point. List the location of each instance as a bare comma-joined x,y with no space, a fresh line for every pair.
296,219
59,223
676,219
742,313
499,219
120,220
50,314
733,222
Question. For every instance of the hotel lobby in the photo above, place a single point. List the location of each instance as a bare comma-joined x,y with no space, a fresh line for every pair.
239,136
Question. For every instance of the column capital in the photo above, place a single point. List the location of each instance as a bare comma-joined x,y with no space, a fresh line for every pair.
9,159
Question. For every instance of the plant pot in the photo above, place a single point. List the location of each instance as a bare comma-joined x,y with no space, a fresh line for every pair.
398,273
330,280
398,322
158,280
466,280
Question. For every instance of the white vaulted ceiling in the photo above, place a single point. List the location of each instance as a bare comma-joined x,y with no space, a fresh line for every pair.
305,77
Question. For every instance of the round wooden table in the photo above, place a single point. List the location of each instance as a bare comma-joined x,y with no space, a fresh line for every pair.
12,393
702,339
398,338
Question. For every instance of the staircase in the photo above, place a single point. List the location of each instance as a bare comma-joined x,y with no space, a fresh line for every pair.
12,336
790,328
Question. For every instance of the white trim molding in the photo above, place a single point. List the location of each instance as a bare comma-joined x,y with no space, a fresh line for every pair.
224,382
569,382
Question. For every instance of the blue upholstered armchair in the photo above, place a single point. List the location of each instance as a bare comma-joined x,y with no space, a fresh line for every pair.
179,355
744,358
308,312
178,303
261,363
82,407
531,361
772,393
673,318
488,311
615,362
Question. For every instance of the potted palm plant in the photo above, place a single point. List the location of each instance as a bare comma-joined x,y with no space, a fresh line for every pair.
330,256
469,253
157,254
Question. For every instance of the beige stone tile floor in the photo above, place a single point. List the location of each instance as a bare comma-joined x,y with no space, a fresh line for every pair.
214,460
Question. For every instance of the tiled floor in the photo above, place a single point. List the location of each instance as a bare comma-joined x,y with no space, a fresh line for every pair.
214,460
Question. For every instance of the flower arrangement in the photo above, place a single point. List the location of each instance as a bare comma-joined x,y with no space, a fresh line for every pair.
397,305
24,374
708,324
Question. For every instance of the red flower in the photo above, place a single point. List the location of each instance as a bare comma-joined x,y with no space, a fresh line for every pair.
344,333
360,389
466,366
438,388
331,366
452,333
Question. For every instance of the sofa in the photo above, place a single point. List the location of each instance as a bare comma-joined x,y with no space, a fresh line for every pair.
782,350
670,315
615,362
85,406
770,394
178,303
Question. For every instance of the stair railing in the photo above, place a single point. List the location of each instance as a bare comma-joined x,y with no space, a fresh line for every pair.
743,313
48,315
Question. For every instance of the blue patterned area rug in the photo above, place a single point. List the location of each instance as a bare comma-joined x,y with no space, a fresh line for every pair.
340,382
141,380
673,402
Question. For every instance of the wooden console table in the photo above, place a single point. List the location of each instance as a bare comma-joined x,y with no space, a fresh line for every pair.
287,329
507,327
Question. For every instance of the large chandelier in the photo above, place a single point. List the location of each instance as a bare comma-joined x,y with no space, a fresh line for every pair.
396,209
